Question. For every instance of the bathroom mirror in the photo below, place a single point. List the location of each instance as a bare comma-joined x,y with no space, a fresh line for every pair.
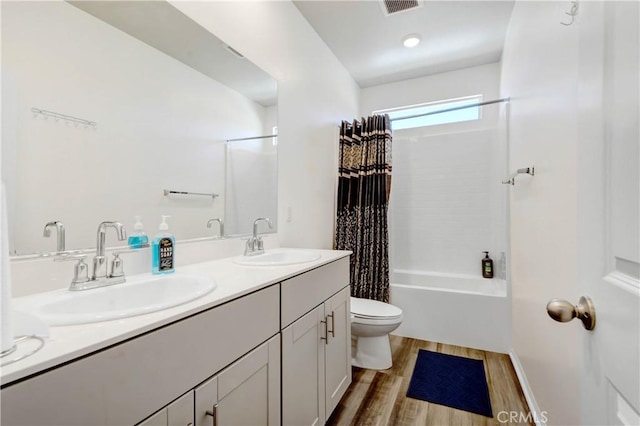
117,109
252,182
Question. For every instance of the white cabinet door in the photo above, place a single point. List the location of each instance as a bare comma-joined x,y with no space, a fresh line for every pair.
158,419
303,370
337,349
180,412
245,393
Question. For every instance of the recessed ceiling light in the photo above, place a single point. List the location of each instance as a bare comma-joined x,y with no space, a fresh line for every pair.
411,40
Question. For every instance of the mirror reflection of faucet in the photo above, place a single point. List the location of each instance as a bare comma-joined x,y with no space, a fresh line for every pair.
59,226
255,245
220,225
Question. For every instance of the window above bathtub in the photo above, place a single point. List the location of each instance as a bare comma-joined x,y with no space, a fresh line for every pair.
400,116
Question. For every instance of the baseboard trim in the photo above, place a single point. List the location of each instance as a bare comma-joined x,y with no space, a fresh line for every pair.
539,417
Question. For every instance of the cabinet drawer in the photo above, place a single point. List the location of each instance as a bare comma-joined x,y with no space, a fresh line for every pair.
302,293
124,384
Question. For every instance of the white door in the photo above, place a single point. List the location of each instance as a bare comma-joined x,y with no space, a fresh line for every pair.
574,225
608,210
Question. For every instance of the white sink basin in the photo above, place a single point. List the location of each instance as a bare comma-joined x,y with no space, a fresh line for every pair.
137,296
278,257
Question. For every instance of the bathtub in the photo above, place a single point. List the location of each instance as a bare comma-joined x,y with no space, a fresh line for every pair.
457,309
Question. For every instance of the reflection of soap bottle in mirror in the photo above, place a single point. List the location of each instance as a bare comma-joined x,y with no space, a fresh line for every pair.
487,266
138,239
163,250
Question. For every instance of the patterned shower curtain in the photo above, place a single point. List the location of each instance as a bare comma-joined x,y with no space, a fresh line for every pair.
363,200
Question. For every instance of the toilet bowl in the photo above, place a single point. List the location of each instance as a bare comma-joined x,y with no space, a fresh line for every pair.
371,323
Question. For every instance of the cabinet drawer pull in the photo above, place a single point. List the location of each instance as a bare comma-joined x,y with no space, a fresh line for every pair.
333,324
326,331
214,414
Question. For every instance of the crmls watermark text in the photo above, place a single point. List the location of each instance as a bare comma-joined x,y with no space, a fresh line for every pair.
521,417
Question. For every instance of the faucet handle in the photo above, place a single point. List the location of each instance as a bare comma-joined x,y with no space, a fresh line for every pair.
80,272
117,267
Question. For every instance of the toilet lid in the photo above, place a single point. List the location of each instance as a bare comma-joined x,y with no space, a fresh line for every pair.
365,308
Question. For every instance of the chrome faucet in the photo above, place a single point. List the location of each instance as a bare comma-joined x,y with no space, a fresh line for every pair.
99,278
59,226
100,259
220,223
255,245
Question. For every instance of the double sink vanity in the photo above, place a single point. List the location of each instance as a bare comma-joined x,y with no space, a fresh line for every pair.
250,340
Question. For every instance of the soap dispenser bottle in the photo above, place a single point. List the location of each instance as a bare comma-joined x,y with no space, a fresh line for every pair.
487,266
162,250
139,238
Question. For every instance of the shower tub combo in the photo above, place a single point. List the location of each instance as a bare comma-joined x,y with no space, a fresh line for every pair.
463,310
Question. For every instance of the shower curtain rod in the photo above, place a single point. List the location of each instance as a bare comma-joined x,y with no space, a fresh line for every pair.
495,101
252,138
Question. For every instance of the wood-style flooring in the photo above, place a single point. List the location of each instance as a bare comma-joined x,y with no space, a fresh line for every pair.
379,397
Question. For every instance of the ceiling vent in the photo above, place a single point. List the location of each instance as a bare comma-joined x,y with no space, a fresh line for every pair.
391,7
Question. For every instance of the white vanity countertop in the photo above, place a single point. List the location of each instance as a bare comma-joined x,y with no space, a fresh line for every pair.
66,343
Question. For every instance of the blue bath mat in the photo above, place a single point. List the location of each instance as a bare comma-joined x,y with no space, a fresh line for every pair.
452,381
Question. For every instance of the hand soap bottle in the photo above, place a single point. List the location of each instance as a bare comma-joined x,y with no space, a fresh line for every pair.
487,266
139,238
162,250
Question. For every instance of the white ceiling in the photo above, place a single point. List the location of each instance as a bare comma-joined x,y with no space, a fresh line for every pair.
455,34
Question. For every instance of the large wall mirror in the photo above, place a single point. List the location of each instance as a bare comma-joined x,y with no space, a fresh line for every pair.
116,109
252,182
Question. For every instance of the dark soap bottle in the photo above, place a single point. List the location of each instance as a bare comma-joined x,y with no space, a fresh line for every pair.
487,266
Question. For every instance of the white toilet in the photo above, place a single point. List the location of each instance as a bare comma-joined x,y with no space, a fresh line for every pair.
371,323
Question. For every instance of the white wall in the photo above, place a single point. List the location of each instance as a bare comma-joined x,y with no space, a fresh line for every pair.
483,79
315,93
539,74
160,125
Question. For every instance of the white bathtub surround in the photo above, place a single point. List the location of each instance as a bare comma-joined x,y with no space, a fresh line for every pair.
456,309
447,207
447,202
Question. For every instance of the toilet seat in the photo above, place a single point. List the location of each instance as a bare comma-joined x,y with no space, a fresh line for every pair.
372,310
379,321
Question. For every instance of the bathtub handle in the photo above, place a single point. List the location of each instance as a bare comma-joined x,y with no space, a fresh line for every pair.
333,324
